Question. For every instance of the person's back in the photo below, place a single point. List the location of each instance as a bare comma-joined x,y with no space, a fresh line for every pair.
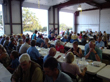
25,46
70,68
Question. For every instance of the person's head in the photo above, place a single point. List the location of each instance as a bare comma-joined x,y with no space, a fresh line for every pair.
14,55
68,29
20,41
28,40
69,57
7,38
84,36
104,31
25,61
52,34
65,36
92,44
58,37
74,32
75,45
99,38
52,51
2,49
46,40
58,43
50,67
35,31
33,43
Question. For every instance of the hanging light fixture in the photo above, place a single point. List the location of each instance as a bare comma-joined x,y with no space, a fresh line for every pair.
79,8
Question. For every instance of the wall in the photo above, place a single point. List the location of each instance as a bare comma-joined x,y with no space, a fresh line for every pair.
105,20
88,20
97,20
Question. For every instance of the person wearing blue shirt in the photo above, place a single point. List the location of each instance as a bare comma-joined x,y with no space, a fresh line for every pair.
15,62
53,74
92,52
34,35
99,43
33,52
64,39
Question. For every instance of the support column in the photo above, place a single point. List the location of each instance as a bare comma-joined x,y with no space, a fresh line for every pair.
76,14
12,11
53,19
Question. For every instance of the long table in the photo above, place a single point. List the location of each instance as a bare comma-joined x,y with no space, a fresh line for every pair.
69,45
105,73
5,75
90,68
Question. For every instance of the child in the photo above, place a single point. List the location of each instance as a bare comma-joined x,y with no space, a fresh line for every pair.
14,64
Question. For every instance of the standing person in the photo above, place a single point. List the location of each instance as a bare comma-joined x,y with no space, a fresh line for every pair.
67,32
53,74
27,71
34,35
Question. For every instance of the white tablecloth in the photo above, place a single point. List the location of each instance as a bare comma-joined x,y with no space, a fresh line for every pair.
90,68
104,73
5,75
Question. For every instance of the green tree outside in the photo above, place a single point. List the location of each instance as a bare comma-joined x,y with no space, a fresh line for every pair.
30,21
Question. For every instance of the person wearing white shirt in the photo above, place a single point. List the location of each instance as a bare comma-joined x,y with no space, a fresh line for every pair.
25,46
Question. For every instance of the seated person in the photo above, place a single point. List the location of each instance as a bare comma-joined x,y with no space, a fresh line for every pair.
51,37
34,53
25,46
59,47
52,73
64,39
84,39
6,42
46,44
2,39
71,67
76,50
59,38
99,43
12,44
14,63
20,42
51,53
74,38
39,40
4,57
92,52
27,71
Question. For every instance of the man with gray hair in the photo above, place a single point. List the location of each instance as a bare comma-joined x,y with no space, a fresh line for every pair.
27,71
93,52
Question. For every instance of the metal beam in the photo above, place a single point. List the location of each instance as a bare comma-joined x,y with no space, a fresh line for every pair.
94,4
71,2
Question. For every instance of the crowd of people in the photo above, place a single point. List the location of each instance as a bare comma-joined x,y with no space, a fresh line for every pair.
18,53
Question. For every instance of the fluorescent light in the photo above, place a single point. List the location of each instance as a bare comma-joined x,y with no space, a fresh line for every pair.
79,8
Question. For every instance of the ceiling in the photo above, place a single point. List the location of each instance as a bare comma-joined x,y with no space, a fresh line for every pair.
66,5
73,8
46,2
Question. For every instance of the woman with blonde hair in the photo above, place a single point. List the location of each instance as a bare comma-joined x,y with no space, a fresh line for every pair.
71,67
